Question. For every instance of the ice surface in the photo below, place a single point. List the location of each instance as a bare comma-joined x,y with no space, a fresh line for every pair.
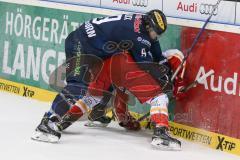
19,117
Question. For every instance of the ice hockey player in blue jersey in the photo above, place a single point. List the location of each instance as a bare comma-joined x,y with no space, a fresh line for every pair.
93,41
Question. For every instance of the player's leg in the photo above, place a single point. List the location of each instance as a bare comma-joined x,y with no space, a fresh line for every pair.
125,119
75,86
98,117
97,89
98,114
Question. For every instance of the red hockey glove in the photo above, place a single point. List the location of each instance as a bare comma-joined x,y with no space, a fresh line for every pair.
178,85
175,58
131,124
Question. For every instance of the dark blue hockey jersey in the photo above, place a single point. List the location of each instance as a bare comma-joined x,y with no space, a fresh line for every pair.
106,36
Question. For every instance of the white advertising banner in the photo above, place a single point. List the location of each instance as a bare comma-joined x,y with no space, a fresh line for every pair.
132,5
200,10
238,14
95,3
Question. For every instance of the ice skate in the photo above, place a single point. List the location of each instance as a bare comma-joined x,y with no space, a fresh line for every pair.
162,140
47,130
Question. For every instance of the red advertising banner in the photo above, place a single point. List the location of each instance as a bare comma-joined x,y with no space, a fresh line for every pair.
214,104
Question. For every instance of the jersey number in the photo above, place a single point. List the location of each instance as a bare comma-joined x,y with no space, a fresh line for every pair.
106,19
143,53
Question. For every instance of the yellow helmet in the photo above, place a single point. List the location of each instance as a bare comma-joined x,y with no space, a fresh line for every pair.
157,20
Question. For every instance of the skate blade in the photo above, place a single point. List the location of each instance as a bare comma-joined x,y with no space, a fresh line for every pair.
44,137
159,144
95,124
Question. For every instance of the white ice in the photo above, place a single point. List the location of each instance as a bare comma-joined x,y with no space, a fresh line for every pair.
19,117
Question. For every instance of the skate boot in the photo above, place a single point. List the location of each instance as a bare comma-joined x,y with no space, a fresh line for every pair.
97,117
103,121
47,130
162,140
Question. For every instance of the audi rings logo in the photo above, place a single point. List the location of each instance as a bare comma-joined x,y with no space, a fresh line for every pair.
140,3
207,9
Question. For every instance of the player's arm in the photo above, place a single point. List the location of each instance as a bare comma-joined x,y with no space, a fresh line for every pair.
175,58
157,52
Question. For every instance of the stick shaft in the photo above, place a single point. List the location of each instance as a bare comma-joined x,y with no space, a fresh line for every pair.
195,41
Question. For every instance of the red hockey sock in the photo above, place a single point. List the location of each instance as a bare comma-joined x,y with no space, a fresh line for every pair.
75,112
160,119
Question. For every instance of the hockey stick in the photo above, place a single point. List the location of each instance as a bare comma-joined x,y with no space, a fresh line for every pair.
143,117
197,81
195,41
185,89
187,55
